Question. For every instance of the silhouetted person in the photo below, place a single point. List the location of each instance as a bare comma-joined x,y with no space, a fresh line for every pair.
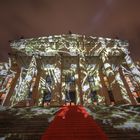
69,32
46,98
94,96
9,54
111,96
117,37
22,37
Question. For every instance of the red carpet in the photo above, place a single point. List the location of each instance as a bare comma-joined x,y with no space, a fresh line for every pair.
73,123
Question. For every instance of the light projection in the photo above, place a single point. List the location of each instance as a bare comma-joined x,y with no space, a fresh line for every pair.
61,69
6,77
25,83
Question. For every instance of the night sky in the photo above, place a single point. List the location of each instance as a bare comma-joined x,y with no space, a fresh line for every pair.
105,18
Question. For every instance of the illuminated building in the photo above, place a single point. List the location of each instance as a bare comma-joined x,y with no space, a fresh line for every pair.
62,68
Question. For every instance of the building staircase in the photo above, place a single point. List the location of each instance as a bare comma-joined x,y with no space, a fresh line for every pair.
15,128
73,122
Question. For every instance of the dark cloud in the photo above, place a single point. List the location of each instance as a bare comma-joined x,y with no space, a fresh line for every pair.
34,18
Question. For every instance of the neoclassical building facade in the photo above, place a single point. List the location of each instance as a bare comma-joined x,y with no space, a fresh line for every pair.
75,68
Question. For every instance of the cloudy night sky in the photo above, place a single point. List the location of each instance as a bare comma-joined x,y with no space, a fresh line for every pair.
35,18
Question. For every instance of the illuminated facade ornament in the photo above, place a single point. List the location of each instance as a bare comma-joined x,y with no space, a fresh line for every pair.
70,68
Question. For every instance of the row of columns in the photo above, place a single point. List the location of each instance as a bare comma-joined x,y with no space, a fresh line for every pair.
115,87
118,99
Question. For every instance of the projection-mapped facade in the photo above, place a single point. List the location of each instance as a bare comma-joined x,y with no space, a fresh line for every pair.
69,68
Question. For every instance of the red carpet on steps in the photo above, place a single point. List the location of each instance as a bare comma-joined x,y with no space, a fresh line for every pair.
73,123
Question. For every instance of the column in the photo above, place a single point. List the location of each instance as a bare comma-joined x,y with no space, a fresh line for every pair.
79,81
132,67
134,71
6,102
127,87
35,91
57,96
104,88
116,91
61,72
